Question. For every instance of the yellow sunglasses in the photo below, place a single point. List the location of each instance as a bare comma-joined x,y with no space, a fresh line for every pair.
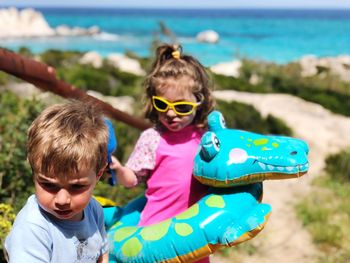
182,108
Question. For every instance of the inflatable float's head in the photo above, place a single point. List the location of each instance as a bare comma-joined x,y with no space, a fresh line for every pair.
228,157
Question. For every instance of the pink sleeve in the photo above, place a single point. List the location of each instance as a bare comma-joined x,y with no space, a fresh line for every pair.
143,157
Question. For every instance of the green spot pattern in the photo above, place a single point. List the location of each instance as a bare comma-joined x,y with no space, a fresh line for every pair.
155,232
259,142
132,247
124,232
183,229
275,144
215,201
189,213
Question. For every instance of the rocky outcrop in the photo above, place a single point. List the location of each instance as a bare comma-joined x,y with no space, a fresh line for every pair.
312,65
31,23
208,36
24,23
230,69
125,63
120,61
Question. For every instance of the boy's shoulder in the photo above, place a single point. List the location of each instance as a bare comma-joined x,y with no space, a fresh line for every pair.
31,214
94,208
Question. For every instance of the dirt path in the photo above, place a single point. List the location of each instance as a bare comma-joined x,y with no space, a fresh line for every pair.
284,239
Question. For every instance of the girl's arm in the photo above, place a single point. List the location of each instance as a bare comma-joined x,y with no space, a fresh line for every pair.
125,176
103,258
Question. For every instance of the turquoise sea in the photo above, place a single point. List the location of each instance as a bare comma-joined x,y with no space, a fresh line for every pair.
272,35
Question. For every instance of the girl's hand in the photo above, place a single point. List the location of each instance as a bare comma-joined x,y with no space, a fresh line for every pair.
125,176
116,165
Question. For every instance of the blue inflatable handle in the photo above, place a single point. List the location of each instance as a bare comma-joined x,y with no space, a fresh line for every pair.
111,147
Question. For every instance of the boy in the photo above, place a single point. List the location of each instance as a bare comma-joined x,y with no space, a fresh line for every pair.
67,151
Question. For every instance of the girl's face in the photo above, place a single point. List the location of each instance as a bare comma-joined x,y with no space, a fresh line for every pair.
169,118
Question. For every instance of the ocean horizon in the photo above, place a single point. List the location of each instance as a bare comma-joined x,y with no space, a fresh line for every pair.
274,35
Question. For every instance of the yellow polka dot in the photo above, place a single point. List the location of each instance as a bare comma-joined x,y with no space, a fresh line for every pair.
155,232
117,224
124,232
183,229
190,212
261,141
215,201
275,144
132,247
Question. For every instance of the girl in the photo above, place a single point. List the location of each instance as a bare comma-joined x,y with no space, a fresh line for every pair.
178,94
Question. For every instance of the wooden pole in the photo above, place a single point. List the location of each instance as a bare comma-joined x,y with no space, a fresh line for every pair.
44,77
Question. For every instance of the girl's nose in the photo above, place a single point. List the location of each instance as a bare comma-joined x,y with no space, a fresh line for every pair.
171,113
62,197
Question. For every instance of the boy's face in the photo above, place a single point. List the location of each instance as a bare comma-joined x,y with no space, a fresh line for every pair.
66,198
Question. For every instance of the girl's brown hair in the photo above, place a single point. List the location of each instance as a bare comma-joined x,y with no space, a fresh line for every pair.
184,70
65,138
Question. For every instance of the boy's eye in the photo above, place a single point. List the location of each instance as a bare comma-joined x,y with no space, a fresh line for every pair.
78,187
49,186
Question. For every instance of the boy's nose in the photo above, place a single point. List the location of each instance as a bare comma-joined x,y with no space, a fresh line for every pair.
62,197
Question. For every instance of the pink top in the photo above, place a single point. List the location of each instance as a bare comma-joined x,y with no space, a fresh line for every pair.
167,159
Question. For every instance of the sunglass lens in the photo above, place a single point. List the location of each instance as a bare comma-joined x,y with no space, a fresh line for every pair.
160,104
183,108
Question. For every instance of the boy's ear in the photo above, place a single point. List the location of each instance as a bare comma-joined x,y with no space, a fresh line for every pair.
100,173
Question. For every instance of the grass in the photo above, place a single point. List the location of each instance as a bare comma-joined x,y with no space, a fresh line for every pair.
326,214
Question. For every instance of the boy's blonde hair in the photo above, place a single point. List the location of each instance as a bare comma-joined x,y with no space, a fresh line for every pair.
66,138
173,68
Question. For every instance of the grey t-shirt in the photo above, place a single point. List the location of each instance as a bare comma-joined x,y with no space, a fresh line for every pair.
37,236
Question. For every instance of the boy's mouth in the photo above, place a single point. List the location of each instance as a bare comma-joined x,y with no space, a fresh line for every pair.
63,212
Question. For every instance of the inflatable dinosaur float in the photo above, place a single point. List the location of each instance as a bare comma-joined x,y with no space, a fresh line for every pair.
237,162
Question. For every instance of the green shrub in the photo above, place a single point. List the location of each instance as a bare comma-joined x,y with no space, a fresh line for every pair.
241,116
3,78
86,77
326,213
57,58
325,89
7,217
15,174
338,166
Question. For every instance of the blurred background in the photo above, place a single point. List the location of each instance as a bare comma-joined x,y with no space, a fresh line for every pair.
278,68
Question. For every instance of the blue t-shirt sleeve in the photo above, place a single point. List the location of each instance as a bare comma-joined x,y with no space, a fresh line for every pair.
28,242
100,221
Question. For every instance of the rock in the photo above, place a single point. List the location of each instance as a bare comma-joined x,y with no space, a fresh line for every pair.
308,66
123,103
208,36
23,23
254,79
63,30
311,66
230,69
126,64
30,23
92,58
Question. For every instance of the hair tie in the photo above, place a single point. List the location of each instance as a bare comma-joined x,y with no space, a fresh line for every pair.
176,54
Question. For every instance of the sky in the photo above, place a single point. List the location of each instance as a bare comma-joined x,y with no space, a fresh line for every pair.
322,4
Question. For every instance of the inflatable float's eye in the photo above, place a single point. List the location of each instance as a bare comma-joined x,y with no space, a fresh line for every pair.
210,146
